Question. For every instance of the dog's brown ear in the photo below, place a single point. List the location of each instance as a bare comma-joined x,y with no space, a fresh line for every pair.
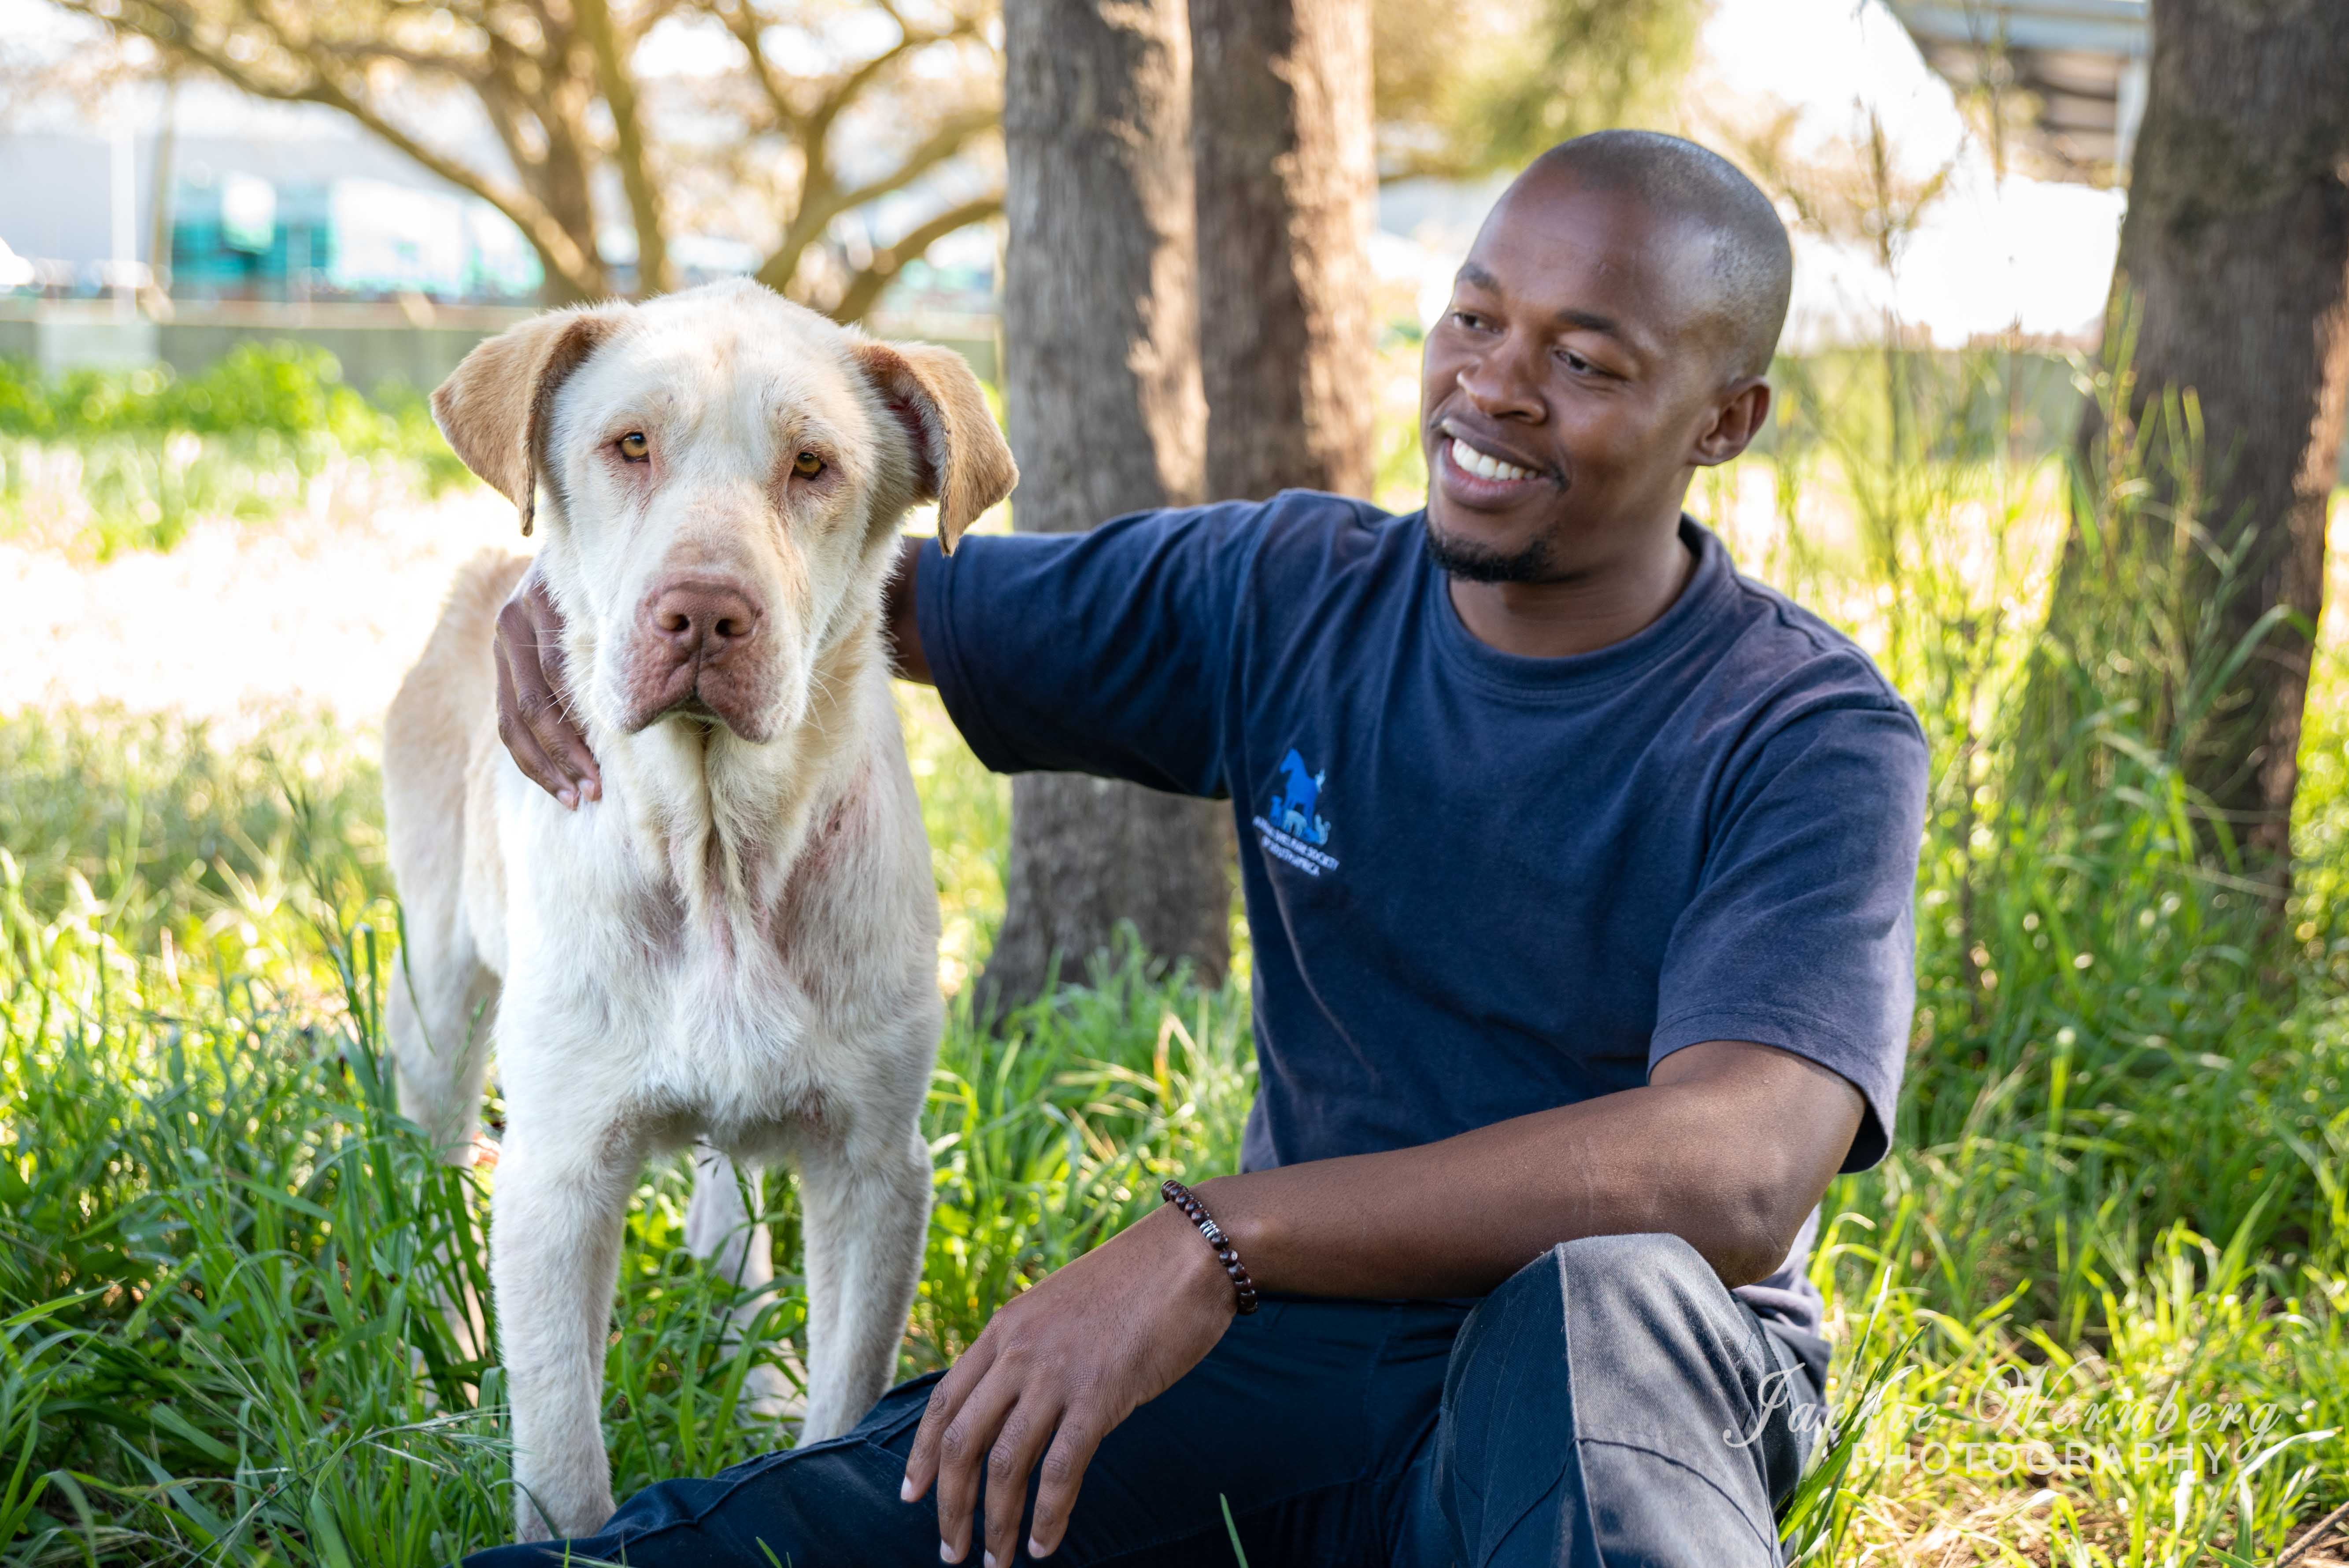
495,406
960,460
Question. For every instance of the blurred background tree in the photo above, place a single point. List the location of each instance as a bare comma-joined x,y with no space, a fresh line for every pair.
2228,335
1281,145
1107,415
1475,89
1238,170
540,109
839,106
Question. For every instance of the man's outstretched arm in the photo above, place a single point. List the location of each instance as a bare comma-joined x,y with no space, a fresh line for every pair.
1729,1146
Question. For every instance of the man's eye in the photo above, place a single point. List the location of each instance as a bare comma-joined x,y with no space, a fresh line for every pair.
633,447
1467,319
807,465
1575,362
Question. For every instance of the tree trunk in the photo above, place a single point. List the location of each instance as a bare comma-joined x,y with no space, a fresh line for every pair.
158,208
1280,95
1106,416
2234,270
615,73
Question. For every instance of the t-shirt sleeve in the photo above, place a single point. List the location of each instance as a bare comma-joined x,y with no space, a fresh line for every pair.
1105,652
1802,933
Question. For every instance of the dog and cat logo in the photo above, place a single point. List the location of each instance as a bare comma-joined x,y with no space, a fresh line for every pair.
1293,830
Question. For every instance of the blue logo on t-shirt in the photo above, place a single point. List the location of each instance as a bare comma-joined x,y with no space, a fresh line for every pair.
1292,808
1294,830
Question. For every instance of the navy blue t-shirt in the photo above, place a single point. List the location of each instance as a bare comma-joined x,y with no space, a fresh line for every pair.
1479,884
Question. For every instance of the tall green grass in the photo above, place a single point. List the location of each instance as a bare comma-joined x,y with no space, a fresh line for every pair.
2120,1167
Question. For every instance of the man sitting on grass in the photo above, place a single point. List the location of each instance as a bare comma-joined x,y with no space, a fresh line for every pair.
1580,870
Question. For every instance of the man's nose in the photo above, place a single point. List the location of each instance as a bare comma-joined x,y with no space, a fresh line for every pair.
704,621
1497,386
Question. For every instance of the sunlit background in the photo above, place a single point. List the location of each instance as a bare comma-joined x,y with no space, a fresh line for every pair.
226,523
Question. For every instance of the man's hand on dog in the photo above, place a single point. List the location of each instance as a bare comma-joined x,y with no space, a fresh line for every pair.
1058,1366
534,707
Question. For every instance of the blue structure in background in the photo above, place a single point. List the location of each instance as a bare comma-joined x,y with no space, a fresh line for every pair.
237,236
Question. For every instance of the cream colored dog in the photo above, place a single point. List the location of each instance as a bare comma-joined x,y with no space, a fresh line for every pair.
738,943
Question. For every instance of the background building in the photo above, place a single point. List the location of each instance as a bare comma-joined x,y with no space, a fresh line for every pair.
2070,74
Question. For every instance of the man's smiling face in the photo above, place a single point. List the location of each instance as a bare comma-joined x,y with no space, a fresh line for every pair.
1577,377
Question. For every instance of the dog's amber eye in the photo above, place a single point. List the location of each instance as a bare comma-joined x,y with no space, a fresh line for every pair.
633,447
807,465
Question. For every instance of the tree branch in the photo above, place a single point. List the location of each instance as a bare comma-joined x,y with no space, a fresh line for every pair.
845,90
580,272
865,289
566,248
654,274
743,22
361,55
949,139
558,250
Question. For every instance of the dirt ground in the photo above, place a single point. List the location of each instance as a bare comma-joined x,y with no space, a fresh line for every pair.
323,618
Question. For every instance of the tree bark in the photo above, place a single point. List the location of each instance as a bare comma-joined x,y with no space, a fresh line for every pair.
1106,416
159,206
1281,144
2234,271
615,73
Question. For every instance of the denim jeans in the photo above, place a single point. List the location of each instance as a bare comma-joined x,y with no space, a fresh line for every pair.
1610,1403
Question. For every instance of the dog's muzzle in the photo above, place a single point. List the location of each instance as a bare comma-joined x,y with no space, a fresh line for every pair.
700,648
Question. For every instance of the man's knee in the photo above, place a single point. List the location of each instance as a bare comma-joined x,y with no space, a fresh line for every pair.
1608,1277
1638,1308
1625,1367
1586,1310
1649,1260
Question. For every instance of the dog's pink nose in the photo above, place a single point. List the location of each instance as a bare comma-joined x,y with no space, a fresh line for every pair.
702,621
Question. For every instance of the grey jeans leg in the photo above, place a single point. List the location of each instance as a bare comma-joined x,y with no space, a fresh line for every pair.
1612,1403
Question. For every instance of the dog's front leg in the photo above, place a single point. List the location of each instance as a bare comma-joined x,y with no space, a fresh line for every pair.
866,1212
555,1254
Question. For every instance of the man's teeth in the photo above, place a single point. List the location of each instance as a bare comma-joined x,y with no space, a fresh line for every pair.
1484,465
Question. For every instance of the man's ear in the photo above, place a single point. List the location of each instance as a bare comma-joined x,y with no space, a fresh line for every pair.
960,460
494,407
1735,423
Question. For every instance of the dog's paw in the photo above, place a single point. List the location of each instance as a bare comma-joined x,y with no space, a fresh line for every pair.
583,1517
530,1524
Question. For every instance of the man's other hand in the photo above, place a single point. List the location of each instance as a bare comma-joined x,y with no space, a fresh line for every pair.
1061,1364
534,703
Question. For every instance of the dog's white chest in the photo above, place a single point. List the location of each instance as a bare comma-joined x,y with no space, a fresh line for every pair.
737,1032
700,1013
727,1010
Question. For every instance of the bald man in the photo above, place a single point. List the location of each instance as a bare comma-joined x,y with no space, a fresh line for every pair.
1579,867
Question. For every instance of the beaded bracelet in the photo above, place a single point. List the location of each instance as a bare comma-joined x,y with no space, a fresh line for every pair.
1182,1198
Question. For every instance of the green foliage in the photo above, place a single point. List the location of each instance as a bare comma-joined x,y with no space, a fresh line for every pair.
236,1250
1055,1136
128,459
2120,1172
1462,91
197,836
